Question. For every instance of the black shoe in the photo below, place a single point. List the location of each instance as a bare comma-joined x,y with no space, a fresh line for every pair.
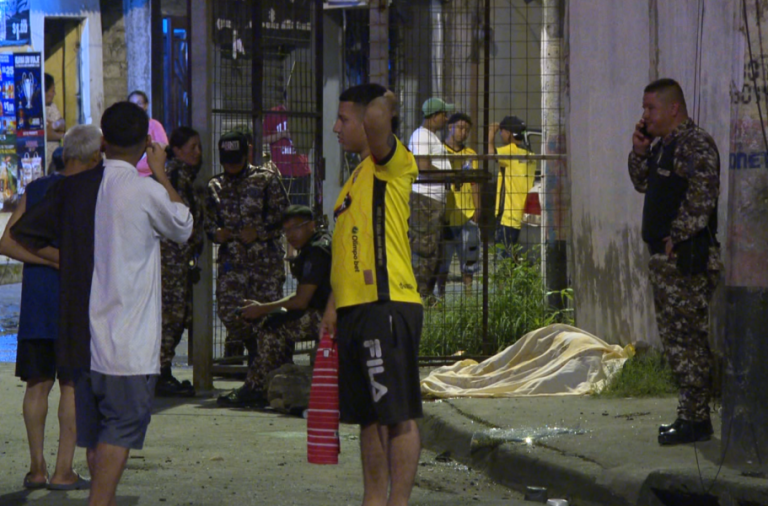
168,386
242,398
687,432
668,426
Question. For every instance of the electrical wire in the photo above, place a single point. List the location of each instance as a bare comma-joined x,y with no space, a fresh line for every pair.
754,78
699,51
758,15
719,467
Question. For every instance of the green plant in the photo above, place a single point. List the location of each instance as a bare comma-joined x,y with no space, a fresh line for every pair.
648,375
517,305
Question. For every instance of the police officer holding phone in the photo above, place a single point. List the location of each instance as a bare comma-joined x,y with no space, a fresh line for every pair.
676,165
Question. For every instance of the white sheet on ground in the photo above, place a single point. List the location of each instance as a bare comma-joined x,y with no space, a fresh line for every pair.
554,360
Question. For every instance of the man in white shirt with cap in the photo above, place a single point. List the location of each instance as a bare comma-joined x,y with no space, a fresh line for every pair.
428,199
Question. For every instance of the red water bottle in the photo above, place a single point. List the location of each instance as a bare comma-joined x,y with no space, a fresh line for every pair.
323,414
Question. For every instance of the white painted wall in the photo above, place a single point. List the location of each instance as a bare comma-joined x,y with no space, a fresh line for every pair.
610,62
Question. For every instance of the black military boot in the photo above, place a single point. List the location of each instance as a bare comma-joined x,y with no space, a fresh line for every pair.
687,432
242,397
169,386
667,426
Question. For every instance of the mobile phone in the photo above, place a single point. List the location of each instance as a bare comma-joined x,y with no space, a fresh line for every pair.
644,131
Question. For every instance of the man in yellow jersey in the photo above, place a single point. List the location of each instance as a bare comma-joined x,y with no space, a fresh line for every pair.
514,182
462,236
374,298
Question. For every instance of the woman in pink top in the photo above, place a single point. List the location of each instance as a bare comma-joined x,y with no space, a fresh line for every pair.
156,130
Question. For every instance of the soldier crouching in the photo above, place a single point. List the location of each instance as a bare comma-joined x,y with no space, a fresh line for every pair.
281,323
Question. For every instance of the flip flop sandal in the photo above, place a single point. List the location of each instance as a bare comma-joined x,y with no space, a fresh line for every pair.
34,485
79,484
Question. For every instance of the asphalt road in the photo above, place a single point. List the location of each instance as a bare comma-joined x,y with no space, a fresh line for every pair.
198,454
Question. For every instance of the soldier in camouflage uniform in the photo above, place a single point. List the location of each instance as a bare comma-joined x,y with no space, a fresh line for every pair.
680,177
244,205
281,323
178,260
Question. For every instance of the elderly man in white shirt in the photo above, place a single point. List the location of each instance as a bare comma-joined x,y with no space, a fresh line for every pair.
428,200
114,399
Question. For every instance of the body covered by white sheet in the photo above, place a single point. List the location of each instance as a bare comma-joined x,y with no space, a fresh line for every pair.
554,360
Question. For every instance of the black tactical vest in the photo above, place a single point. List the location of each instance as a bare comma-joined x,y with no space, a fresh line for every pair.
666,191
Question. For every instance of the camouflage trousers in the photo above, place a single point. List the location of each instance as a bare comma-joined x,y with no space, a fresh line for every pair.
426,235
235,284
275,339
682,315
177,305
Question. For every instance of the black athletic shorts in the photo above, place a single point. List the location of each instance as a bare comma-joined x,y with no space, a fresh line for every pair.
378,362
36,360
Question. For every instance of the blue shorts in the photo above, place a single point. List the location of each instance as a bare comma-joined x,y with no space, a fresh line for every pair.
115,410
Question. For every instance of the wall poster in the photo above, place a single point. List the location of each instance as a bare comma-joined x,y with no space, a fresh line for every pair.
22,125
14,23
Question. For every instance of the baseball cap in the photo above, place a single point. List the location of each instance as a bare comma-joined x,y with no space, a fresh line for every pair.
512,124
459,116
233,146
434,105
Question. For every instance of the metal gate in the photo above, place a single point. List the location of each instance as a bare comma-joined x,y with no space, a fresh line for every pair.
266,77
493,60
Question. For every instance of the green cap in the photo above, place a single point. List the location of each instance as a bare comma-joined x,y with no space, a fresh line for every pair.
435,105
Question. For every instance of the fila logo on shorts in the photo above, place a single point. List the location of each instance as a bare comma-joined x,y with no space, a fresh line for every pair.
375,366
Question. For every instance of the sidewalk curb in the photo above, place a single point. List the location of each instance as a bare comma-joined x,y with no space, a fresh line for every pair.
677,486
513,466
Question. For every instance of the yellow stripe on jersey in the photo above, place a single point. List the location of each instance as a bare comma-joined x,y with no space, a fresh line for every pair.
460,204
371,255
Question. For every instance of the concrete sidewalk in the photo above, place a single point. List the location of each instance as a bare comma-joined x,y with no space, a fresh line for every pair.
593,451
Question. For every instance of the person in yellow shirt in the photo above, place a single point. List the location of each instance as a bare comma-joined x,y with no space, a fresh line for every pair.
462,209
515,180
374,311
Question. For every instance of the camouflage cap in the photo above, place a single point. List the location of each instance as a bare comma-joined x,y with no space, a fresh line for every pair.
233,146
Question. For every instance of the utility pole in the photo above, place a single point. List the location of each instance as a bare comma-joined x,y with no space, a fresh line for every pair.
555,222
745,411
200,64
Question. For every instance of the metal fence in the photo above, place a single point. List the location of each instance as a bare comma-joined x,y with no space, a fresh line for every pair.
503,263
265,80
501,268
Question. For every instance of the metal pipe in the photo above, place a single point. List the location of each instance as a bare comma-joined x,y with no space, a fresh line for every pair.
487,217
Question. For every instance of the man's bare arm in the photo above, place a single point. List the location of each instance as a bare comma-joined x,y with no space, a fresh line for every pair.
378,125
10,248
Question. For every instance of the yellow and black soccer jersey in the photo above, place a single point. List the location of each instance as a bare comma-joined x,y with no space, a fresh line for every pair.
371,255
460,203
514,185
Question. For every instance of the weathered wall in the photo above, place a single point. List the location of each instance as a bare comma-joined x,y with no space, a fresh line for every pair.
614,48
127,39
138,40
114,50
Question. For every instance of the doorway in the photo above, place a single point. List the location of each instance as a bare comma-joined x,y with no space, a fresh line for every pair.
64,58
